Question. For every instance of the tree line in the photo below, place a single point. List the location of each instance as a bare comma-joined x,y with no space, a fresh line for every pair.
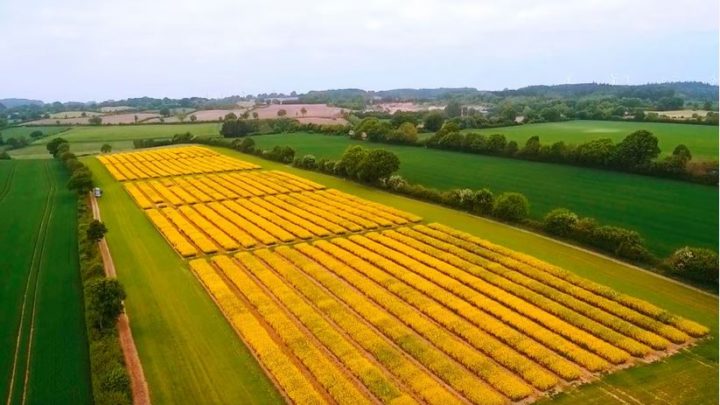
103,297
636,153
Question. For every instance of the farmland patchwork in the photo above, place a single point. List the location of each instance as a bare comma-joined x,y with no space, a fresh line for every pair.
350,301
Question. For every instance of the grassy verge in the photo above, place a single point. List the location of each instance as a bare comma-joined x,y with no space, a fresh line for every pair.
688,377
189,352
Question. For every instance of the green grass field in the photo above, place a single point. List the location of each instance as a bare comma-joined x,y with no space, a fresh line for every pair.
88,140
669,214
43,343
81,134
189,352
689,377
15,132
701,139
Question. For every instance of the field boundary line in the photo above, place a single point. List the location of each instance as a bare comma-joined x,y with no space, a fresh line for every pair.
21,327
51,195
138,383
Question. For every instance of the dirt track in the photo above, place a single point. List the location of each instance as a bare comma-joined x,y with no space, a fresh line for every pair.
140,392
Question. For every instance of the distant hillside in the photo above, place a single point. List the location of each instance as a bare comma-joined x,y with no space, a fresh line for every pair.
19,102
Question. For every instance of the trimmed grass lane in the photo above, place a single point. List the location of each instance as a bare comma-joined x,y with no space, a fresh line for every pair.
189,352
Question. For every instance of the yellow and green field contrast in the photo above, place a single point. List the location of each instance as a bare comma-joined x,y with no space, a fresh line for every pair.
341,299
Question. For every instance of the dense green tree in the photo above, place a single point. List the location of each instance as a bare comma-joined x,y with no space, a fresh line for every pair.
532,148
52,146
36,134
230,117
406,134
165,112
377,164
695,263
349,163
483,201
106,148
96,230
560,221
597,152
496,143
95,120
105,296
80,181
511,207
637,149
282,112
433,121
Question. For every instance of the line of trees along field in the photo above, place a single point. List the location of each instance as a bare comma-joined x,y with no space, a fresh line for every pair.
103,296
637,153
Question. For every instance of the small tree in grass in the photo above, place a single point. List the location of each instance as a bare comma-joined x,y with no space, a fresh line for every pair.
511,207
106,148
105,301
96,230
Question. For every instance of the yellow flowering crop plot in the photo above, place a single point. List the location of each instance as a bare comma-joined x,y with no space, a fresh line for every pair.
500,378
430,257
473,289
174,161
371,375
138,196
290,379
328,374
603,294
477,265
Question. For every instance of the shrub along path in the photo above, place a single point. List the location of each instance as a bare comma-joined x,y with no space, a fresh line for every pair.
140,392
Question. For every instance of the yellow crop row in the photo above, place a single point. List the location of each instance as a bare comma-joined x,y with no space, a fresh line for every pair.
449,249
169,162
328,374
267,226
391,357
434,258
501,379
229,228
211,230
254,230
138,196
471,288
176,239
280,222
434,359
641,306
288,376
453,321
368,373
397,216
197,237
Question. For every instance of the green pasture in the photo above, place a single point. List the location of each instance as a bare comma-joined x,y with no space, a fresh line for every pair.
701,139
43,338
669,214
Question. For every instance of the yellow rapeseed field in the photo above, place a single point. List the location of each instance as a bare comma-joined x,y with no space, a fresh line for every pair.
349,301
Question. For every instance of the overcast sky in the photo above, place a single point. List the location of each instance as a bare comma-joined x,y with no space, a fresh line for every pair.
96,50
